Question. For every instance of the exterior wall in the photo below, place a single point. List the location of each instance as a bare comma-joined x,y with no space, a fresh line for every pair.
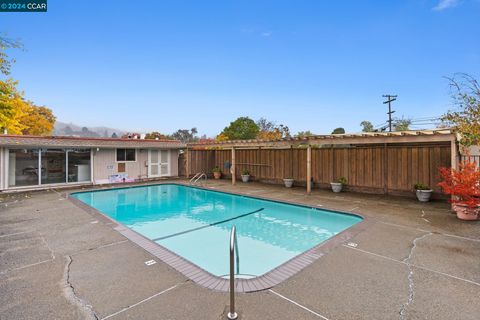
3,169
174,162
473,151
105,165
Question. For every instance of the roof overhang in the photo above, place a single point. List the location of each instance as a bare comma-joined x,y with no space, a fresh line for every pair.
59,142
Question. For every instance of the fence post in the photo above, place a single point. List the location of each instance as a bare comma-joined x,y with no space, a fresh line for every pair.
309,169
385,168
232,168
187,169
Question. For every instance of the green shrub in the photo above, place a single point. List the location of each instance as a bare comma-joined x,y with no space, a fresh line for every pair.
421,186
341,180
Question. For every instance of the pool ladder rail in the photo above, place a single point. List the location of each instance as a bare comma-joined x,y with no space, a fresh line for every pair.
233,249
194,180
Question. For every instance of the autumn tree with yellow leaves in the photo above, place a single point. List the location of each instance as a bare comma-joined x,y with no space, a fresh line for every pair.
465,118
18,115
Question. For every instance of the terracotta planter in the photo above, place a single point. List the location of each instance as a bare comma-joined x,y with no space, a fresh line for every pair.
336,187
217,175
424,195
245,177
288,182
466,213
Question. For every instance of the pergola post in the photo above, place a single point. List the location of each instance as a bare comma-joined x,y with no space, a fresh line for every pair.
454,154
187,165
309,169
232,168
453,158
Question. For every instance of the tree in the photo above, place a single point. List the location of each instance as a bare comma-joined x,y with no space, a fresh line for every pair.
12,107
466,117
185,135
221,137
338,130
38,121
114,135
302,134
367,126
265,125
270,130
19,116
5,61
155,135
241,129
402,124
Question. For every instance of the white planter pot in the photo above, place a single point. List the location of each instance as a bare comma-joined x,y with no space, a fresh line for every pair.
424,195
336,187
288,182
245,178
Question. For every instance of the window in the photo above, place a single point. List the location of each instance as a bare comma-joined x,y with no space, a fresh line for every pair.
126,155
29,167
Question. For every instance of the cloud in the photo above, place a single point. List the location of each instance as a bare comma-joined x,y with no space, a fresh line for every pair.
266,34
445,4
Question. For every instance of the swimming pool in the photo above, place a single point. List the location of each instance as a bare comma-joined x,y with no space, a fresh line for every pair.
195,224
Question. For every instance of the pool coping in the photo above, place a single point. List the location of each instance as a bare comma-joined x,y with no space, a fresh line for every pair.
204,278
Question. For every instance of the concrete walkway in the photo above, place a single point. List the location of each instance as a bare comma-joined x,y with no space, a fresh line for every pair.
414,261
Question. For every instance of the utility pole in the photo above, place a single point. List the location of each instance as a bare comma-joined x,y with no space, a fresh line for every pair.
390,98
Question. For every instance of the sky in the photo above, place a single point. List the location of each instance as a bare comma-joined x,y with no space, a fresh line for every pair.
312,65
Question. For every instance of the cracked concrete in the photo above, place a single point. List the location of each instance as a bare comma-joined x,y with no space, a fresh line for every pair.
71,296
411,289
57,264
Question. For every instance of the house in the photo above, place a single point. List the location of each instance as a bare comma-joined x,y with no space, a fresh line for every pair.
28,162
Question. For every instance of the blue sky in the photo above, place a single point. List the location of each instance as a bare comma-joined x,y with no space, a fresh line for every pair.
312,65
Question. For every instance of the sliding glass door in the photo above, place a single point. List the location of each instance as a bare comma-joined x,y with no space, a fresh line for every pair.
23,169
54,169
78,165
30,167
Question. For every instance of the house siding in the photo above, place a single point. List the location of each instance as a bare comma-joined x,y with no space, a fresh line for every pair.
105,165
174,163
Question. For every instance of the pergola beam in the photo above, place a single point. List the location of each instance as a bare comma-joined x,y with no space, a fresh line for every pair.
422,137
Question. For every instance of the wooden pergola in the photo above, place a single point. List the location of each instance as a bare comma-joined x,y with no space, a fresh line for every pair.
320,141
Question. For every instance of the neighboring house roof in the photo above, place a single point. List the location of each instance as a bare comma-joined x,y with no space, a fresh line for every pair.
44,141
436,135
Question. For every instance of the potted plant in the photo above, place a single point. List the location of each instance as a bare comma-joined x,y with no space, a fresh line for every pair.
288,182
338,184
245,175
464,187
217,173
423,192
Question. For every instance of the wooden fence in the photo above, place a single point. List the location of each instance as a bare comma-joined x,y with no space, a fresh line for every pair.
368,168
475,159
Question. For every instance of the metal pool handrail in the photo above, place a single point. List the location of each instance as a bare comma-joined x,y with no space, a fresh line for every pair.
233,247
197,177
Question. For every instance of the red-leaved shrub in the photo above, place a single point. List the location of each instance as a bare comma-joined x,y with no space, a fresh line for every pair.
463,184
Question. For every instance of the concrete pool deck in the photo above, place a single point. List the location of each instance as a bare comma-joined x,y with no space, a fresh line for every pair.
414,261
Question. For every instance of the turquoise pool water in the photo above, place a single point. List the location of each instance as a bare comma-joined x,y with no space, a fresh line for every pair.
195,224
